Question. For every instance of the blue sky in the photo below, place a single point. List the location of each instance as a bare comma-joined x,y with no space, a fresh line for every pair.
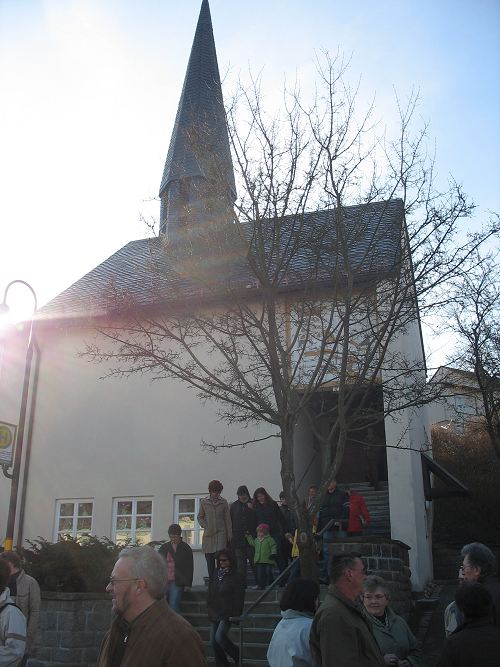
89,91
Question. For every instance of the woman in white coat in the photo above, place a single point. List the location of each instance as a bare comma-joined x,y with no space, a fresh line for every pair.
289,645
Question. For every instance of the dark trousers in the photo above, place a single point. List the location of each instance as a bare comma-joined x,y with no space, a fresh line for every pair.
243,555
222,645
264,573
281,560
210,558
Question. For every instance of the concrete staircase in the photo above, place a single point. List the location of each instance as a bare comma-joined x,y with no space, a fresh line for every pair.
378,506
257,631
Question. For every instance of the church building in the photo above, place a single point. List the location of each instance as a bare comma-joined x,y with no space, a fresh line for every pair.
121,456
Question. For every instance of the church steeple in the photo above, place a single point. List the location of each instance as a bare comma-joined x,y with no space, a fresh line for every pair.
198,179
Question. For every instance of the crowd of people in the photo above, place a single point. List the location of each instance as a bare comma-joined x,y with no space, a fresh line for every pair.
354,626
262,532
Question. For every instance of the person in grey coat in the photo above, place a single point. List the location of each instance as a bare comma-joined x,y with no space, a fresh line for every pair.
395,639
25,592
12,624
215,518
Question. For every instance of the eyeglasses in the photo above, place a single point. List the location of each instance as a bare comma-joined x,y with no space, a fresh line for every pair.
112,581
377,596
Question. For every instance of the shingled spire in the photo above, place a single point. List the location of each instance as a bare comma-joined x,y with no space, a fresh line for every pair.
198,179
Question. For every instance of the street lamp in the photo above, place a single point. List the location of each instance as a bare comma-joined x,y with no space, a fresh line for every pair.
14,489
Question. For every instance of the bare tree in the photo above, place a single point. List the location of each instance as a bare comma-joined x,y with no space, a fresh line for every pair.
290,306
474,317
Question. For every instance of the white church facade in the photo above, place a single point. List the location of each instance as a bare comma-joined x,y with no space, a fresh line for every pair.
121,457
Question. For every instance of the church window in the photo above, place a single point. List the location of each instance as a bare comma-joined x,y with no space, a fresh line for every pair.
73,518
132,520
186,512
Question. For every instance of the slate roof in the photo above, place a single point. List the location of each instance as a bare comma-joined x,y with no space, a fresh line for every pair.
201,104
140,273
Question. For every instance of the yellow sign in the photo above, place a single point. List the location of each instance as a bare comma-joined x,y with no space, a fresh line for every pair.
7,441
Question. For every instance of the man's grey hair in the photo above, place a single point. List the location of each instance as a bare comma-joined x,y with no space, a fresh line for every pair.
480,556
373,582
147,564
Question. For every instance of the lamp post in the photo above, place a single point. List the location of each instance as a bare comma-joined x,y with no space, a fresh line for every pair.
16,469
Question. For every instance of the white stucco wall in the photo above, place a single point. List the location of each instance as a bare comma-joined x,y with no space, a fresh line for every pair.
104,439
407,432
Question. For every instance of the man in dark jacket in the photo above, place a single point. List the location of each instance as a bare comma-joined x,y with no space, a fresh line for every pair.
475,643
226,596
341,635
179,559
244,520
145,631
334,509
480,565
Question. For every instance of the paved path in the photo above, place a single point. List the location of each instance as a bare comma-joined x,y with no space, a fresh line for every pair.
428,621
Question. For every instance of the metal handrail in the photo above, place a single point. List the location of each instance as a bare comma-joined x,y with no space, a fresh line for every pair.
246,614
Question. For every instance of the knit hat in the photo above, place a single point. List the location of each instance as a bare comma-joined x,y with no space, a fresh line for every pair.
263,527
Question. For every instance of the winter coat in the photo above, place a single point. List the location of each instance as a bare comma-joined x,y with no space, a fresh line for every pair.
333,508
28,600
453,617
357,509
341,635
157,638
243,520
473,644
492,584
183,560
264,550
12,631
214,517
289,518
396,637
226,596
289,645
270,513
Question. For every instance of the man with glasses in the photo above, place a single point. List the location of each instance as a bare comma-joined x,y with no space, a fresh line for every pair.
479,565
145,631
341,635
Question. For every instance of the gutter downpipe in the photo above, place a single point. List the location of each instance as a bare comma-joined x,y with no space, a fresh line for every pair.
29,439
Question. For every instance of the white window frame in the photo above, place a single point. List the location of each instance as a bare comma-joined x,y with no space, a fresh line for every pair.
134,500
74,530
197,528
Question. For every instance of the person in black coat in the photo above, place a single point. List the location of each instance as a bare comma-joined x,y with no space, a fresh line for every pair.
179,558
480,565
244,521
475,643
334,507
268,512
226,595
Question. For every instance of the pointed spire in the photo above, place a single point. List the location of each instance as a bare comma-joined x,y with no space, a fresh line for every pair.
200,127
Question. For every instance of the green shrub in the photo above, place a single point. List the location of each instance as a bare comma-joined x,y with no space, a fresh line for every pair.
71,565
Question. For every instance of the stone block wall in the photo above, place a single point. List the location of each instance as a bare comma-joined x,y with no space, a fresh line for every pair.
72,626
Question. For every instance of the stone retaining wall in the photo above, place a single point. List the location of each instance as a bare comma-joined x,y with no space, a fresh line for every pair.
72,626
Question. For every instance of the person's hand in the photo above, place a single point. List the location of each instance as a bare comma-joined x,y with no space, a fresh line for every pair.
404,663
391,659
